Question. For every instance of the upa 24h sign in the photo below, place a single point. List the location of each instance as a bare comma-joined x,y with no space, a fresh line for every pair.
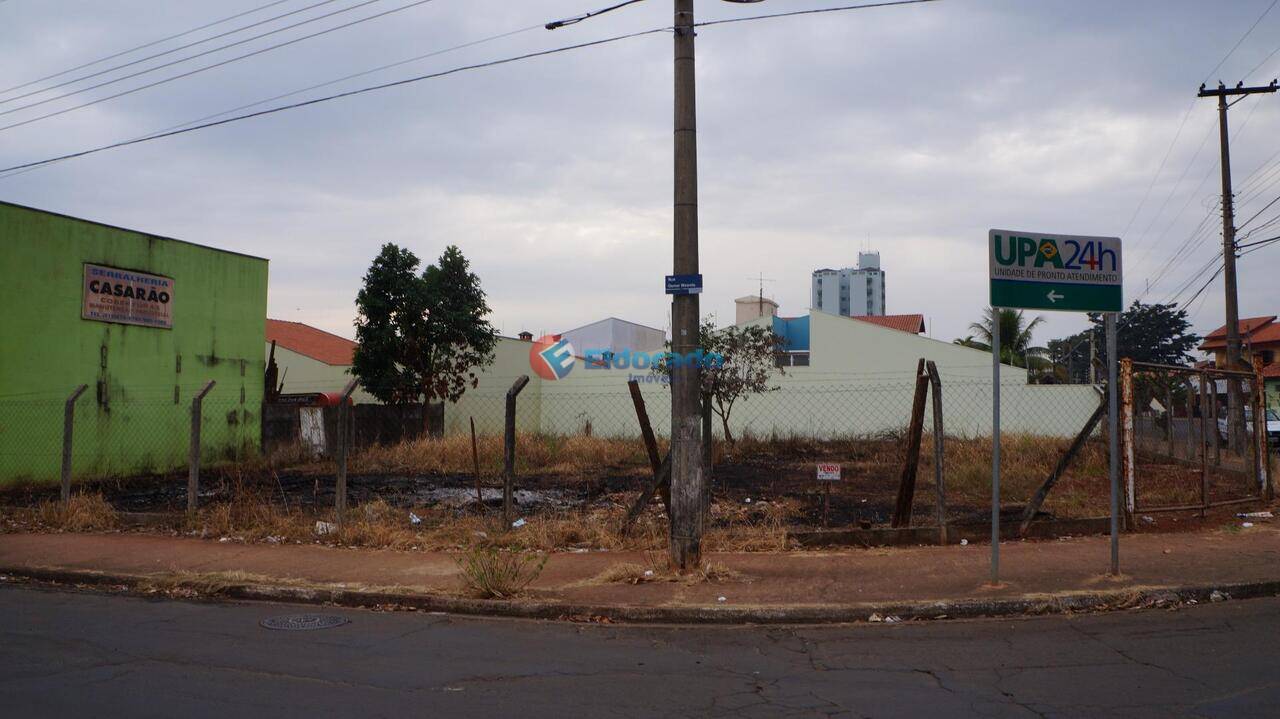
1038,271
127,297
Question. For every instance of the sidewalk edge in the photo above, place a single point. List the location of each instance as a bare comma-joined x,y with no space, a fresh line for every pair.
1061,603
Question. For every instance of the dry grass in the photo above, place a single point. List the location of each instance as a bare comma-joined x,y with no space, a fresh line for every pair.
83,513
542,454
207,583
491,573
623,573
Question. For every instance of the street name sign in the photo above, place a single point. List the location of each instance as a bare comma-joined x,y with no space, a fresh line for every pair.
684,284
1065,273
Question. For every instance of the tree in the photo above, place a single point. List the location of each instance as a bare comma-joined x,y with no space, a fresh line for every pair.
1015,337
421,338
1153,333
737,362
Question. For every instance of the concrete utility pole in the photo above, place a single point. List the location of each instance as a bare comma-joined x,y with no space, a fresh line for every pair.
688,482
1235,400
686,398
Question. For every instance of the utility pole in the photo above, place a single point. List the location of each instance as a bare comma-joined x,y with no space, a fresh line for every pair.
1235,399
686,400
688,482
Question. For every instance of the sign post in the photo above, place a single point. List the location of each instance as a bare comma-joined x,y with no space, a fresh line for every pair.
1058,273
827,473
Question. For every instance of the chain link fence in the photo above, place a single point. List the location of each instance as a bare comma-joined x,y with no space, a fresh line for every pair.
583,439
1193,438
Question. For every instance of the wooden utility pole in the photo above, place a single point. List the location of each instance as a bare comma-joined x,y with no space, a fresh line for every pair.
687,492
1235,399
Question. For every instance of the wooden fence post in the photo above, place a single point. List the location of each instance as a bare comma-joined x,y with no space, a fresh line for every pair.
939,450
344,439
907,486
68,425
650,443
509,451
193,454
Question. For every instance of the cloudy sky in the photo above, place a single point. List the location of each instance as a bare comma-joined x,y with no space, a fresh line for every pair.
910,130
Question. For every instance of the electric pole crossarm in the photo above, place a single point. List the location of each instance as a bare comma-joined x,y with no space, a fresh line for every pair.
1223,91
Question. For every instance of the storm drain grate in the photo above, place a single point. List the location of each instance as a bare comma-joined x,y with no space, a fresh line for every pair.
303,622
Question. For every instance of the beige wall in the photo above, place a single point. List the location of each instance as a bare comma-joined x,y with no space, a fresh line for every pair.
860,381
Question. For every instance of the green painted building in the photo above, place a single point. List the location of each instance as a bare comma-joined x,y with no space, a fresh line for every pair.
145,322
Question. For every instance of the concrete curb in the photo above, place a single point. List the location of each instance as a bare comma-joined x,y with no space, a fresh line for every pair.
1062,603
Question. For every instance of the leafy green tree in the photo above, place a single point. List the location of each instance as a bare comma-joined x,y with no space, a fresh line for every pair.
1153,333
421,338
742,362
1015,337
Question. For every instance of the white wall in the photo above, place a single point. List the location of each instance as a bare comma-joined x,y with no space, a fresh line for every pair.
861,381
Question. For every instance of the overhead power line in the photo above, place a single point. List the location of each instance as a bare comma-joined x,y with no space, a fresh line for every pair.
179,48
143,46
418,78
1182,124
1257,243
189,73
1240,42
380,68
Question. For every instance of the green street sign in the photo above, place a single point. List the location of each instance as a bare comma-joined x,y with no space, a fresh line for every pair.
1065,273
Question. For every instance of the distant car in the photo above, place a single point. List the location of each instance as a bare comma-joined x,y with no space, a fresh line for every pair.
1273,426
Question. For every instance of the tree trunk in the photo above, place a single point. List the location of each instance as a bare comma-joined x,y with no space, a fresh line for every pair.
724,423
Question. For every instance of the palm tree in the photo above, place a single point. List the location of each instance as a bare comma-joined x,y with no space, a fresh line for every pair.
1015,337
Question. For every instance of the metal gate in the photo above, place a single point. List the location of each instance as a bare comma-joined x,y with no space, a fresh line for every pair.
1181,449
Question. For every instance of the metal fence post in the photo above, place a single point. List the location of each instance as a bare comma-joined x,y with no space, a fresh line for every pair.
340,490
509,450
68,425
1204,448
1260,450
995,446
193,454
1114,442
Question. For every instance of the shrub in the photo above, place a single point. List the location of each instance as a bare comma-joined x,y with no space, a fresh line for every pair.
490,573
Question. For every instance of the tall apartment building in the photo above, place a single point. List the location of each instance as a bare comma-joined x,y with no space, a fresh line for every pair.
851,292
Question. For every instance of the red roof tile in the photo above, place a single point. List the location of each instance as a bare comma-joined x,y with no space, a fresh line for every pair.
314,343
1271,371
903,323
1255,330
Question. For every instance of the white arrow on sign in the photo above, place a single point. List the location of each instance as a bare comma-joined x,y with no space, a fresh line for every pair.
1054,296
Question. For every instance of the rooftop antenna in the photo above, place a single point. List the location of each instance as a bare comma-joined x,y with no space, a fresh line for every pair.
761,279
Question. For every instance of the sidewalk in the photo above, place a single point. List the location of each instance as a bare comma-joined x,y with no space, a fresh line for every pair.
801,586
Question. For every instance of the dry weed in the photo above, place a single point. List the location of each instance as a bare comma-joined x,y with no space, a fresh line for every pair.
491,573
83,513
623,573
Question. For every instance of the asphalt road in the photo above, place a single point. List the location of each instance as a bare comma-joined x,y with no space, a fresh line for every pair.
66,654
